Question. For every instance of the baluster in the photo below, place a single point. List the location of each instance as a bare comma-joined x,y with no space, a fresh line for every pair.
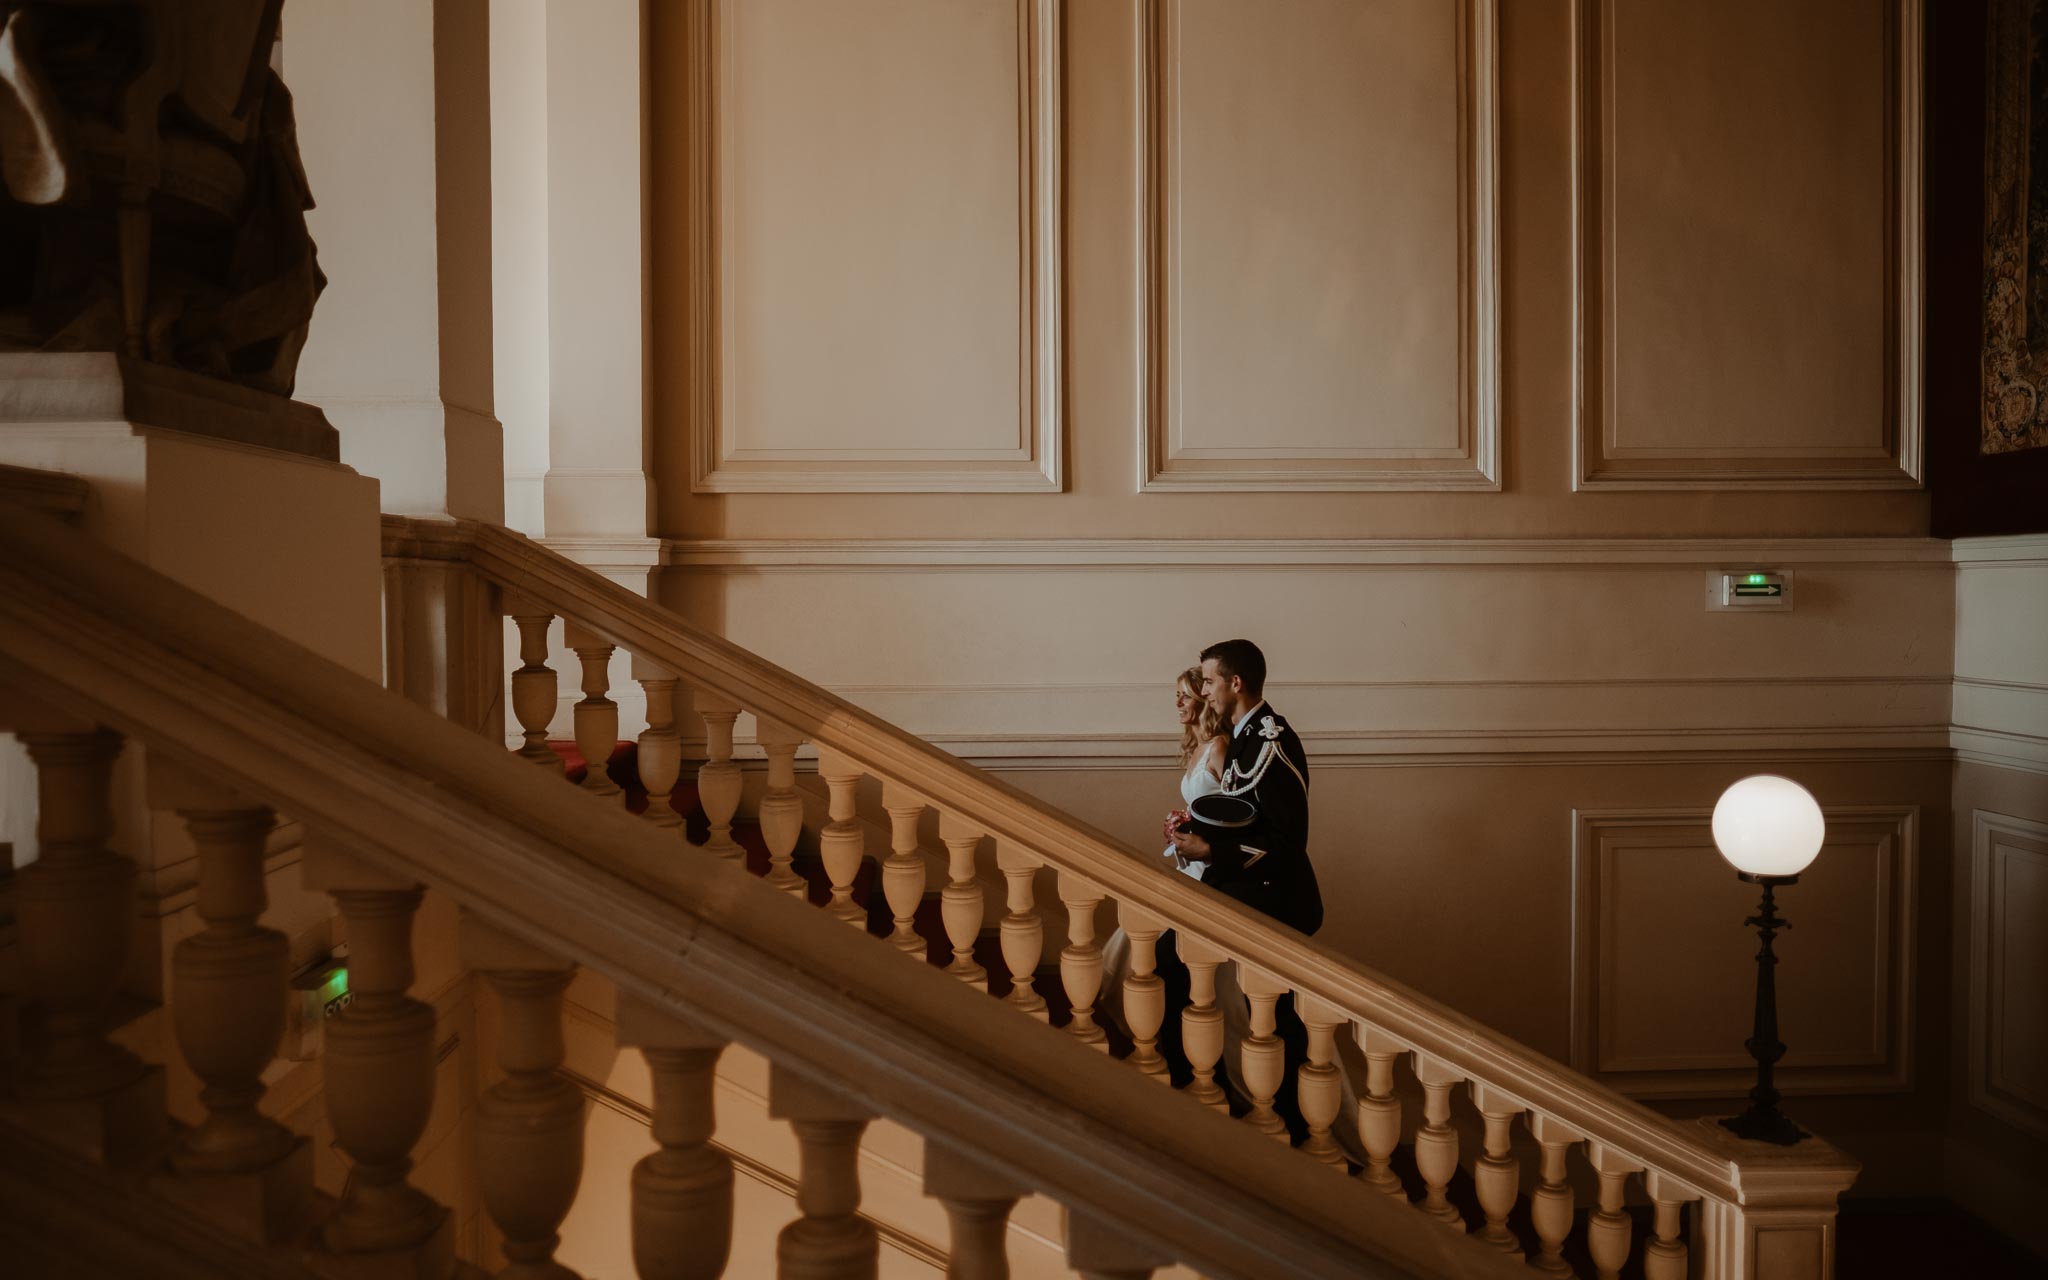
1201,1023
782,810
1081,960
1665,1256
10,1001
660,756
718,778
533,684
597,716
378,1065
529,1125
1023,933
1379,1111
1608,1229
960,904
831,1240
1318,1086
1102,1250
1550,1205
1144,990
73,911
903,870
75,901
1436,1143
1262,1056
228,1007
843,842
978,1201
682,1194
1497,1175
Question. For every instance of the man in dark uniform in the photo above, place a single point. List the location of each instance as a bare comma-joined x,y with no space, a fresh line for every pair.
1264,865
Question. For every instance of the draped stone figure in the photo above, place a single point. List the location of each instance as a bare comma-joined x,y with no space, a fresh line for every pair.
151,197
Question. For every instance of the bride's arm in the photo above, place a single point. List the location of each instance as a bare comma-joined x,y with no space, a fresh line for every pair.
1214,754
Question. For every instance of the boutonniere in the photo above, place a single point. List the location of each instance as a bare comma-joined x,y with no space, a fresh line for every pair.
1267,729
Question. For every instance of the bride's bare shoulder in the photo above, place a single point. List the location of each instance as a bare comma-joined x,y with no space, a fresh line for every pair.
1214,752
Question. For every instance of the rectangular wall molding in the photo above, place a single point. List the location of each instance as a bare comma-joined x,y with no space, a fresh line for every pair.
1726,359
871,380
2008,969
1663,970
1389,377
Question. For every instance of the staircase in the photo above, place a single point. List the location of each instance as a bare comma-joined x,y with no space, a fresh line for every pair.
719,920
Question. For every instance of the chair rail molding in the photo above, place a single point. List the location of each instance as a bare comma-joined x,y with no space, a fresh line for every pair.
980,554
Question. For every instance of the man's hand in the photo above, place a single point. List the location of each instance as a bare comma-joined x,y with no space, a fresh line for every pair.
1191,846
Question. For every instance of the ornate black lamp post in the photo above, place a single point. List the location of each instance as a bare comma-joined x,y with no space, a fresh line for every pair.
1770,829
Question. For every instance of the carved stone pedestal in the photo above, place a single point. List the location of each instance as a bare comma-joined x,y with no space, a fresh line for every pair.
271,1205
431,1259
10,1035
124,1125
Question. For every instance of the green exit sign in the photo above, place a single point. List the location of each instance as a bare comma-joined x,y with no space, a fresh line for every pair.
1749,589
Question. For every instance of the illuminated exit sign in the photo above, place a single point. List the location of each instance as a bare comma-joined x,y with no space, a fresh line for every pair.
1749,589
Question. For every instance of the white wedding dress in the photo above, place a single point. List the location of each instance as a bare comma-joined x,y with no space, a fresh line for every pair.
1116,952
1194,784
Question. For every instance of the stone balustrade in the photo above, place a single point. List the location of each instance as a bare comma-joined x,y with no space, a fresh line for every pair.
551,876
1456,1078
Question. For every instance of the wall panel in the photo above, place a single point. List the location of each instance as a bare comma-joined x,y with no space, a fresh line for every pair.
1748,241
876,236
1323,230
2008,969
1664,970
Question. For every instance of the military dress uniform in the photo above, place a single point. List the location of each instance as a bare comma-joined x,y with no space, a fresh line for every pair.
1265,865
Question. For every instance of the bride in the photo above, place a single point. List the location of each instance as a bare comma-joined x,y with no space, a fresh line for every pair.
1203,747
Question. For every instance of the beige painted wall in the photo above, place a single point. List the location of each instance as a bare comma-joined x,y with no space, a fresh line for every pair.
1757,324
1446,349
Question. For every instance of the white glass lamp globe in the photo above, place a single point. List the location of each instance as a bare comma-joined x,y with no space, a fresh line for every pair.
1766,825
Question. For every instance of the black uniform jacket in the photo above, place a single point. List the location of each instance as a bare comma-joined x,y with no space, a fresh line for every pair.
1265,865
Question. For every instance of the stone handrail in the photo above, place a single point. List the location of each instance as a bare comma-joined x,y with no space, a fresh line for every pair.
398,795
1735,1186
65,496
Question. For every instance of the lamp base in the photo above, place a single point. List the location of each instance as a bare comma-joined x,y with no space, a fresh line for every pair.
1766,1124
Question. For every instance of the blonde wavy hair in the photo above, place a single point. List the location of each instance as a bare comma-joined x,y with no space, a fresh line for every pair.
1207,725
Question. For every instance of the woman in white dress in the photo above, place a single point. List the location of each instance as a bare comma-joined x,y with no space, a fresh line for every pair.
1203,747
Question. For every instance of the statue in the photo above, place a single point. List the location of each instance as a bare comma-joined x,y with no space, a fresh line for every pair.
151,197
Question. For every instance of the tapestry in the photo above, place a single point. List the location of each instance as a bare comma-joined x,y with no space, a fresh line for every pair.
2016,230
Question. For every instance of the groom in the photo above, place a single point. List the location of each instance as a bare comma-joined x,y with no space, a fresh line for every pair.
1264,865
